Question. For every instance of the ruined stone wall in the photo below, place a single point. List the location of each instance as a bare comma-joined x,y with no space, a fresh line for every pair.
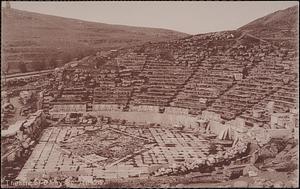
216,127
151,117
279,133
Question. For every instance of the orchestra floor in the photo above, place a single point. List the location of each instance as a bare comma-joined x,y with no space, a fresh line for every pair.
58,151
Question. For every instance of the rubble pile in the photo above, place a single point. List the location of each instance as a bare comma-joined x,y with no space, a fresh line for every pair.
285,160
271,183
109,144
259,135
18,141
207,163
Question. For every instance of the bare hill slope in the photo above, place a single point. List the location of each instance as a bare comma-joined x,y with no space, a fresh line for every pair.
277,27
39,40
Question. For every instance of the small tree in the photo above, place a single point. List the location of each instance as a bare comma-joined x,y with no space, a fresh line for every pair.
23,67
6,67
100,61
166,55
52,62
66,58
39,65
80,55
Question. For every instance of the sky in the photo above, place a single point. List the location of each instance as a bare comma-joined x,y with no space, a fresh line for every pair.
192,17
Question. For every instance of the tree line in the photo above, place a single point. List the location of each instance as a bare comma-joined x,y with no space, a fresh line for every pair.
51,61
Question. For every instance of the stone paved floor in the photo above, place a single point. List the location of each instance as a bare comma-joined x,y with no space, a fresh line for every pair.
171,146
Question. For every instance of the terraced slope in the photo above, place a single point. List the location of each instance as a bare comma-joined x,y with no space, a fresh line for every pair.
230,73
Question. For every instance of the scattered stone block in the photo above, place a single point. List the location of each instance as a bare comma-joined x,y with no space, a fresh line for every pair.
240,184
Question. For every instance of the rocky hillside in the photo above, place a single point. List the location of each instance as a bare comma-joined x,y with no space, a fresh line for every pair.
277,27
35,41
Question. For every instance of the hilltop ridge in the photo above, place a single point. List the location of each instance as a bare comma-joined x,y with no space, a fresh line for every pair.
275,27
